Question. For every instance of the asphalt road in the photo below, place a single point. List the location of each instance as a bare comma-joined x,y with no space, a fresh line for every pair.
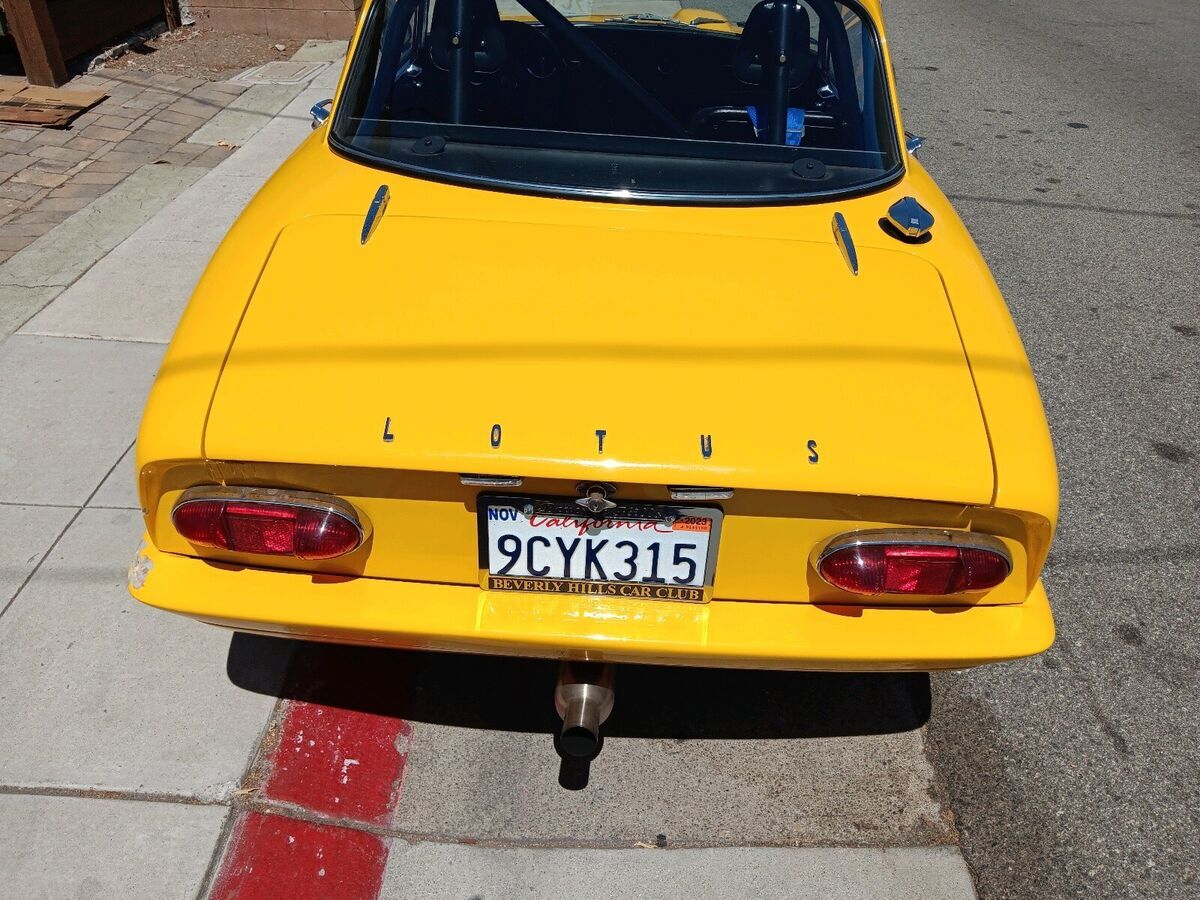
1068,137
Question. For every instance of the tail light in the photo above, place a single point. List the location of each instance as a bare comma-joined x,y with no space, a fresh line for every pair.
268,521
914,561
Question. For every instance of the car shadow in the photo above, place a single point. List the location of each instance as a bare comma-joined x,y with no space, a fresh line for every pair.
508,694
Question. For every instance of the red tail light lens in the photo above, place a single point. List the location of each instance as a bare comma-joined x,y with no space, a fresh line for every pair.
276,523
914,563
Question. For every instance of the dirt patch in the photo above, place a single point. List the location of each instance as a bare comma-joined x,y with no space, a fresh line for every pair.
204,53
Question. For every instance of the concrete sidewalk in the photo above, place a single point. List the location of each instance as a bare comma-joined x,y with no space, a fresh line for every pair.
46,174
144,755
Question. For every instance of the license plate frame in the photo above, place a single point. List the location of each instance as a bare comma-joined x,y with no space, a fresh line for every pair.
624,510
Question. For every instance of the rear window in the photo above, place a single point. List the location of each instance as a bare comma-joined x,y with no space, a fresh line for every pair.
625,99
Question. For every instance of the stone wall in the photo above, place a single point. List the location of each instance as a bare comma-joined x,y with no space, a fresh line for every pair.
278,18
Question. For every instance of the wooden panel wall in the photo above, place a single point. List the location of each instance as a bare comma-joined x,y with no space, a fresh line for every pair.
83,25
50,32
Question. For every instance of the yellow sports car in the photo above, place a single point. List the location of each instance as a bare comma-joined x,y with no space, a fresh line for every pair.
612,332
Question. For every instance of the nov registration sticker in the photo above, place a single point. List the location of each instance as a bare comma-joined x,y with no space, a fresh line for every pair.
635,550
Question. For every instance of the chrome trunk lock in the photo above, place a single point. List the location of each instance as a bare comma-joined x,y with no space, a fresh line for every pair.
595,496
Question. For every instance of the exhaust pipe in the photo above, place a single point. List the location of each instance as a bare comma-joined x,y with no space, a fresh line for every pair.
584,698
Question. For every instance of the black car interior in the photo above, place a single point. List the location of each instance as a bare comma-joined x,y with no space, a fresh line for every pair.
626,76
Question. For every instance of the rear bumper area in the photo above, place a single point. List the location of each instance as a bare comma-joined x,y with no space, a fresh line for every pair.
738,634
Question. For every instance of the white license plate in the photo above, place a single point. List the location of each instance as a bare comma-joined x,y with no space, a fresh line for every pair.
637,550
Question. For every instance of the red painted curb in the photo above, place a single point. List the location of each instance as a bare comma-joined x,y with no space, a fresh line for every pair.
338,762
270,857
332,762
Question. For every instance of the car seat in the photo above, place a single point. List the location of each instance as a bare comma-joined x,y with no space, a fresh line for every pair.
486,35
759,48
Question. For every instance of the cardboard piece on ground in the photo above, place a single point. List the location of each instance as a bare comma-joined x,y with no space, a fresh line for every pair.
10,86
25,104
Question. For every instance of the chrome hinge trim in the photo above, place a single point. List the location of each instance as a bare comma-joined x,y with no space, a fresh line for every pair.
375,213
474,480
841,237
320,112
690,492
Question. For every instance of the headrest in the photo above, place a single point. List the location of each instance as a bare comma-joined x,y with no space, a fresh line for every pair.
759,43
487,37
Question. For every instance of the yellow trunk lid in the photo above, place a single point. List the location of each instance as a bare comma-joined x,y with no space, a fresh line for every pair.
703,359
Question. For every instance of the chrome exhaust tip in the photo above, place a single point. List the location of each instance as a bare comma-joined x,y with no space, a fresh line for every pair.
584,699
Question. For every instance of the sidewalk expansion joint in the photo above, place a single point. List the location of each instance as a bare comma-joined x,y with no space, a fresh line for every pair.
28,578
247,802
40,505
109,794
78,510
648,843
90,337
218,854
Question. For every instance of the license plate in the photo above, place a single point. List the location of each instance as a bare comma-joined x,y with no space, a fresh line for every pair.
637,550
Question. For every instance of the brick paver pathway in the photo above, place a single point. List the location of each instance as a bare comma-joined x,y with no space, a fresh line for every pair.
46,174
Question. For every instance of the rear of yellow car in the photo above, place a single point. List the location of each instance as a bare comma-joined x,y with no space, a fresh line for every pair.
770,607
802,422
357,432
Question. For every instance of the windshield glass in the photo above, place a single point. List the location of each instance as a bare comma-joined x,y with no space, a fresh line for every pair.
642,99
